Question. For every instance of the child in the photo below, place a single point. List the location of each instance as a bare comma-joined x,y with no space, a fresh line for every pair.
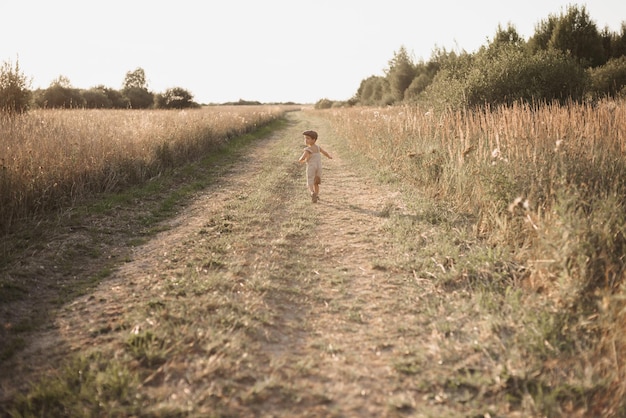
312,156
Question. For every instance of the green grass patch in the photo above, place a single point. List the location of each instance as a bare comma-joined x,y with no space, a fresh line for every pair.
87,386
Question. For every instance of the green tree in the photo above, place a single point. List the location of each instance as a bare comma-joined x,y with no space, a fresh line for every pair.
543,33
400,73
135,79
323,104
96,98
175,98
61,94
609,79
505,74
118,101
139,98
424,74
417,86
513,74
508,36
617,43
373,91
135,90
577,33
15,95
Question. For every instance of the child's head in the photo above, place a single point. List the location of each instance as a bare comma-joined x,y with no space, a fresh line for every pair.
310,136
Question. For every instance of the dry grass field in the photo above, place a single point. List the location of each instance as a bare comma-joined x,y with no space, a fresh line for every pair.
52,158
457,264
546,188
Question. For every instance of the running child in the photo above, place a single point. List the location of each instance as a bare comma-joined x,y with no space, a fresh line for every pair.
312,156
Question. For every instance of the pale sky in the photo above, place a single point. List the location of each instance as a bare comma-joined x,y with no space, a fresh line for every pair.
265,50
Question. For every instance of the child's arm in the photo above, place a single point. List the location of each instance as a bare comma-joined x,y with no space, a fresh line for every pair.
325,153
305,156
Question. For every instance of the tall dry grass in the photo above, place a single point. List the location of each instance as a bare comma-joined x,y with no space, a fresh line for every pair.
546,182
51,158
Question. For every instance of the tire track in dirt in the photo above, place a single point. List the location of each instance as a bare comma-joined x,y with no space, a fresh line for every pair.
354,329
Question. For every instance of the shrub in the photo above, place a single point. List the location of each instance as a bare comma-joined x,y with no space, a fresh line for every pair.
14,93
60,95
174,98
506,75
96,98
323,104
608,79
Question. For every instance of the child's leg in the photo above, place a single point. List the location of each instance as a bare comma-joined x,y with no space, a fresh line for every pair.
314,191
317,181
310,179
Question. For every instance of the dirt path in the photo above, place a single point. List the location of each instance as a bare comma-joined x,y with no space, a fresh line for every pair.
257,302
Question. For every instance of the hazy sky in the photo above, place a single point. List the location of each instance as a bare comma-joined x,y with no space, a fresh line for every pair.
266,50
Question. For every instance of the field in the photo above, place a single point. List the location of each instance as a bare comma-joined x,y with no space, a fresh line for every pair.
457,264
51,158
545,187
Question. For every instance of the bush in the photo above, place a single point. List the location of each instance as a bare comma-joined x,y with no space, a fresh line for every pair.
508,74
60,95
608,79
323,104
373,91
138,98
14,93
96,98
174,98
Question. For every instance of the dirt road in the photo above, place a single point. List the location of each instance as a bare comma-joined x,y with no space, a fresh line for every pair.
254,301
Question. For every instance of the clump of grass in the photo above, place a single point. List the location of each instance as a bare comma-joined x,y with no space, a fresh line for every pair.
87,386
147,348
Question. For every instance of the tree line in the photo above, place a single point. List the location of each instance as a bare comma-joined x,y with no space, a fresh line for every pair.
567,58
15,95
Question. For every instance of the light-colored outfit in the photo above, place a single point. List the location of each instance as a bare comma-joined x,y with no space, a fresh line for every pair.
313,165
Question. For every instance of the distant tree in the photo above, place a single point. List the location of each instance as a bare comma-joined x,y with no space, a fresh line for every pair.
455,63
366,90
424,74
135,89
513,74
175,98
243,102
508,36
323,104
417,86
447,90
577,33
96,98
543,33
619,43
400,73
160,101
607,43
61,94
506,74
15,95
118,101
373,91
609,79
139,98
135,79
614,43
